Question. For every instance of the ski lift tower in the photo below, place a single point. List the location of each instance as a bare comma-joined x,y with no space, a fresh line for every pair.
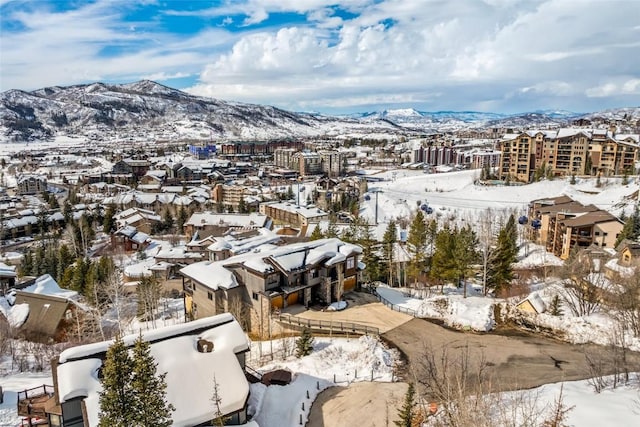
376,191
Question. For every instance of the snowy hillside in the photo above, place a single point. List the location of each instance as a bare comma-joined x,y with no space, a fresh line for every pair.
147,110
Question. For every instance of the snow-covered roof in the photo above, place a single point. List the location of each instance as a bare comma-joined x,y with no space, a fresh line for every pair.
190,374
536,302
46,285
214,274
304,211
230,220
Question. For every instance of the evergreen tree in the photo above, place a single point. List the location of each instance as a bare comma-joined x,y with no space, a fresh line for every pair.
631,228
407,412
465,253
332,230
183,216
117,408
304,344
388,241
443,265
242,206
370,255
317,233
167,220
149,389
109,224
555,308
500,271
416,243
572,181
26,265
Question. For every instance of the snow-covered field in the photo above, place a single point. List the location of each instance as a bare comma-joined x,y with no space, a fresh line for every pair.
454,194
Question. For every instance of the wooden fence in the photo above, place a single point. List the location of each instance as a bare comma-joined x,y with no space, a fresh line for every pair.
334,327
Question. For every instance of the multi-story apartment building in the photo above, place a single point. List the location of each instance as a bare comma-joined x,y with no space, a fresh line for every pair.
307,163
567,152
332,163
565,224
31,184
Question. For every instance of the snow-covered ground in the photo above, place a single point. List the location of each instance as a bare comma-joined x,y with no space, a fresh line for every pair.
454,194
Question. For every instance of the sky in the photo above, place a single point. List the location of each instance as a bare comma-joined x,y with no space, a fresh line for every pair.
502,56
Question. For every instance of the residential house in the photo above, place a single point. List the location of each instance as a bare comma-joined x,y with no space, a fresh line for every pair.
272,278
217,224
143,220
287,213
51,310
626,261
129,239
193,355
136,167
7,277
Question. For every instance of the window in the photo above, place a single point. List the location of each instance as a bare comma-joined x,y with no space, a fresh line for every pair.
314,273
210,296
254,295
597,233
351,263
605,234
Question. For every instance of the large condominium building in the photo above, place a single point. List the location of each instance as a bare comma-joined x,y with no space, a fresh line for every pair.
567,152
328,162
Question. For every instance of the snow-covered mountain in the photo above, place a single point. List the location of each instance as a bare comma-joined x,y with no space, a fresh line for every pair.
146,110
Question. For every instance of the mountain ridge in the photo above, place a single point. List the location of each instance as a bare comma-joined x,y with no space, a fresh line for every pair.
146,107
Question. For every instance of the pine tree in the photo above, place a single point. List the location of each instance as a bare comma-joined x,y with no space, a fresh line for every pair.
465,253
317,233
332,229
149,389
117,408
416,243
304,344
443,264
182,218
108,224
631,228
555,308
167,220
407,413
370,256
500,271
388,241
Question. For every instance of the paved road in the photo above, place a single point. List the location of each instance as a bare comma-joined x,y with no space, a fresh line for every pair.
517,360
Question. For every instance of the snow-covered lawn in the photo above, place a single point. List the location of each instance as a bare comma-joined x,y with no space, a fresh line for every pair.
474,312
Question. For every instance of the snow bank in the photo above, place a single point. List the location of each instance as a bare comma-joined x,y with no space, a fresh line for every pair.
473,313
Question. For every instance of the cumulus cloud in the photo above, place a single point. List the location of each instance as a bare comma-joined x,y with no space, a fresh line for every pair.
500,54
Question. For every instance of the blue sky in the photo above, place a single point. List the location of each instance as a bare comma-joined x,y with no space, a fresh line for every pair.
335,57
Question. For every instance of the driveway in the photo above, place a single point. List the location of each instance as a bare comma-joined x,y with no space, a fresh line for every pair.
362,308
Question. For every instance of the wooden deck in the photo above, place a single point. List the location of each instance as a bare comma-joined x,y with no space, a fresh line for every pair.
32,404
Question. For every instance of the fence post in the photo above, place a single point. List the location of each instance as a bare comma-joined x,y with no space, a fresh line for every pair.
307,394
300,419
334,378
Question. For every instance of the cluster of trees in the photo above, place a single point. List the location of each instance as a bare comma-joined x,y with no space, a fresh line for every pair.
446,254
133,394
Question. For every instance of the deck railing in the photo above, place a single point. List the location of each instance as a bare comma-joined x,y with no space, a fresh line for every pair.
327,325
36,392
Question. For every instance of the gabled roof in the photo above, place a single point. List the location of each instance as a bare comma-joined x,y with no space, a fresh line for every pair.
590,218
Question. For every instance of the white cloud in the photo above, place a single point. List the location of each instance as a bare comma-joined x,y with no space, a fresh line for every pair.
499,53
